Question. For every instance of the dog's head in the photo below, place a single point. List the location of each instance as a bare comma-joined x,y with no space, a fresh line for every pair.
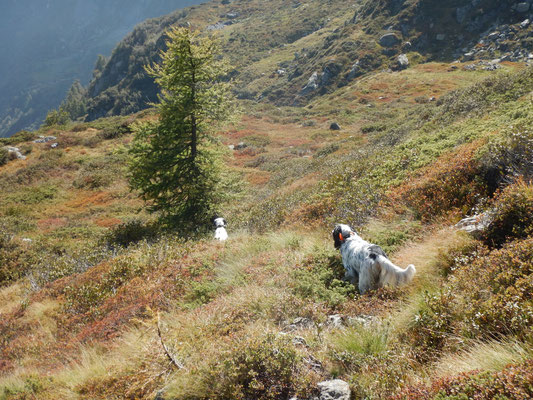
341,233
218,222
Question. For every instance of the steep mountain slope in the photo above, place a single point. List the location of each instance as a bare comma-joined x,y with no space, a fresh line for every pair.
286,52
46,45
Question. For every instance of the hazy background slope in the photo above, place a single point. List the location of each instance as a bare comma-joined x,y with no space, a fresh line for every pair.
46,45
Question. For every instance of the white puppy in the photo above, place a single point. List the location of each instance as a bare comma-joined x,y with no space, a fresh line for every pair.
220,228
368,262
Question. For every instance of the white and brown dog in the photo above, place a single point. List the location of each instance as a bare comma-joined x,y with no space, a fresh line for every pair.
220,228
367,262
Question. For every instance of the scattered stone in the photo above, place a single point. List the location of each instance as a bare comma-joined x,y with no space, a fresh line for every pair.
313,363
525,24
468,56
389,40
334,126
240,146
14,152
432,98
402,61
406,46
299,341
475,224
335,321
27,240
521,7
44,139
335,389
54,145
365,320
215,27
231,147
493,35
300,323
312,84
281,72
232,15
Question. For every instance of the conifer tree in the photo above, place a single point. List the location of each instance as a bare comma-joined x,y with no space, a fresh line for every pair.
174,163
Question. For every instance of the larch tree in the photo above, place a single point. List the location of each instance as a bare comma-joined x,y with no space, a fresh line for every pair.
174,162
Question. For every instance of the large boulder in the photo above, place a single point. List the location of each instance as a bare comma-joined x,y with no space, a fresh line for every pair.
389,40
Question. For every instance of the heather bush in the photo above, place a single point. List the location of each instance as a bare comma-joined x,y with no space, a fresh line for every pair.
489,294
130,232
508,156
16,258
511,214
514,382
320,278
264,368
4,156
451,183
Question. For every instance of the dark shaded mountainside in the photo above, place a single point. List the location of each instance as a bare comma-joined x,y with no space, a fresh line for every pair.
286,52
46,45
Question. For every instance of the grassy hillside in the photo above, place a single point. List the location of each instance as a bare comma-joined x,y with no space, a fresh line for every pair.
98,304
287,52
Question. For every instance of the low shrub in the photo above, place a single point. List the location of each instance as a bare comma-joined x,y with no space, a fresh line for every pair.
511,214
507,157
488,295
16,258
453,183
130,232
513,382
264,368
4,156
320,278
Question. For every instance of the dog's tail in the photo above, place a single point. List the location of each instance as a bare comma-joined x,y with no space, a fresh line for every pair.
393,275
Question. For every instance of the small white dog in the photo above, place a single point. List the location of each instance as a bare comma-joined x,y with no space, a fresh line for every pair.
367,262
220,228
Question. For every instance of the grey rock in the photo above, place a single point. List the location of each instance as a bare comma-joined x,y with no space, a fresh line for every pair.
312,84
54,145
493,35
217,26
334,126
402,61
299,323
299,341
231,146
240,146
232,15
461,13
313,363
365,320
15,152
406,46
45,139
335,321
335,389
389,40
468,56
521,7
525,23
475,224
355,71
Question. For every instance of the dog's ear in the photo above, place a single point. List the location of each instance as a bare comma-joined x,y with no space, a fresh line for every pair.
337,236
224,221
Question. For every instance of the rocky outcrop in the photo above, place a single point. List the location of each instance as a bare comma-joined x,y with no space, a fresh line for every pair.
389,40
